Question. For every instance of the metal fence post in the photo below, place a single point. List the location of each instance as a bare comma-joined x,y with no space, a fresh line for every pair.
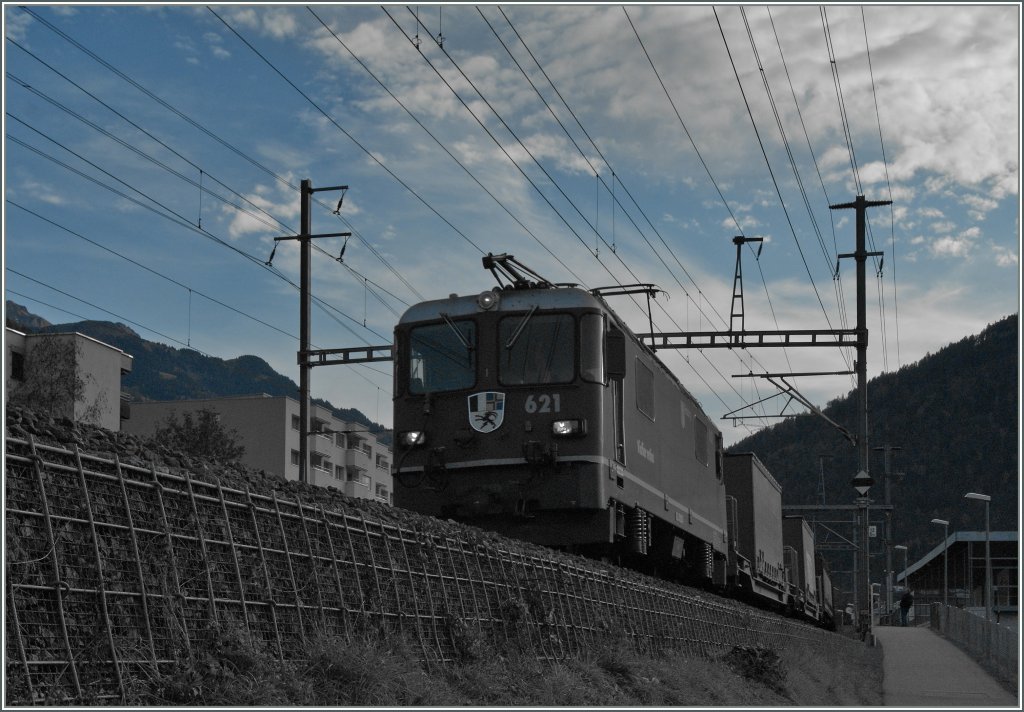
138,559
58,585
104,608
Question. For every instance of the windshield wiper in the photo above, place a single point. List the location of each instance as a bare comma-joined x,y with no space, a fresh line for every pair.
458,332
519,330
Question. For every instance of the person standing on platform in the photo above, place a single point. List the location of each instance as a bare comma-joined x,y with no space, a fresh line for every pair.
905,605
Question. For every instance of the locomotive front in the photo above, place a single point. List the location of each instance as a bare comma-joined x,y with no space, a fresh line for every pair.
499,409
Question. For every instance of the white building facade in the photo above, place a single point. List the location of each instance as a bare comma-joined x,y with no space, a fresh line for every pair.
343,455
100,367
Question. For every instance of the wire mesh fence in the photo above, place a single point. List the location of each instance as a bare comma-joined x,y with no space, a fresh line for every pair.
116,571
996,647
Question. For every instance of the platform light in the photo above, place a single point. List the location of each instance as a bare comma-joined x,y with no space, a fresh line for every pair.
945,560
988,551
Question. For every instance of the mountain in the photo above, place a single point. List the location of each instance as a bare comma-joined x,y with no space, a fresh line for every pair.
162,372
955,415
22,319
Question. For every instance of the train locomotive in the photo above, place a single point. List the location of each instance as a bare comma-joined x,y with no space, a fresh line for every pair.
532,410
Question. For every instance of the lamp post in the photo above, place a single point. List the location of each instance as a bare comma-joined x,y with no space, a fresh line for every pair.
988,553
945,559
905,576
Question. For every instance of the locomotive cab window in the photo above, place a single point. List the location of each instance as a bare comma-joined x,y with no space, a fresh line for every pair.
442,357
536,349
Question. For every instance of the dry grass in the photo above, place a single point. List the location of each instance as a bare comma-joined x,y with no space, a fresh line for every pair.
382,670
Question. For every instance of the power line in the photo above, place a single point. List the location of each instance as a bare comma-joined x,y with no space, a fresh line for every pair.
199,185
527,177
771,172
837,274
445,148
149,269
352,138
603,158
105,311
234,149
888,183
174,217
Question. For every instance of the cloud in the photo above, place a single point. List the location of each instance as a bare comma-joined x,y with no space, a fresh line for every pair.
950,246
1005,257
16,23
980,206
256,220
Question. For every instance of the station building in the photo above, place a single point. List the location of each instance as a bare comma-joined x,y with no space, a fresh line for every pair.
966,562
344,456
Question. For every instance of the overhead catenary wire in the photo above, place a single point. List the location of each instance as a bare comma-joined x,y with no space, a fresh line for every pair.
614,176
206,131
837,274
888,183
530,180
165,212
771,172
168,147
149,269
105,311
445,148
370,154
183,222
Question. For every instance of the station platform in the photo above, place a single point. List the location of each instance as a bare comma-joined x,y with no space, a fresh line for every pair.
923,669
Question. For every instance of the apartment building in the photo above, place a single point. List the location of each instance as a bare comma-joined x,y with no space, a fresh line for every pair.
343,455
97,366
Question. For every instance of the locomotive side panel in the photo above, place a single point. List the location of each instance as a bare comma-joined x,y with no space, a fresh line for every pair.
671,451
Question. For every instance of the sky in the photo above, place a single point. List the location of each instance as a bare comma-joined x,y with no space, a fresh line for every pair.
153,153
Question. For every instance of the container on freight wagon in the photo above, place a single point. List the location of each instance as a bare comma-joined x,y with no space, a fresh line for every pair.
755,503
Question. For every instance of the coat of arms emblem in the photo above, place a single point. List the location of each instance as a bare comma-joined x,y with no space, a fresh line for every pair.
486,411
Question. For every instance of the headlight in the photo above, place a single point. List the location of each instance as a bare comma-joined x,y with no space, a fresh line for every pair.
487,300
568,428
412,438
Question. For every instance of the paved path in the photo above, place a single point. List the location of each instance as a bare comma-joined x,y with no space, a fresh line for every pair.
923,669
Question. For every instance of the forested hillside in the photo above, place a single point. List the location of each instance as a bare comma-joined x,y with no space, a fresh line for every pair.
955,416
161,372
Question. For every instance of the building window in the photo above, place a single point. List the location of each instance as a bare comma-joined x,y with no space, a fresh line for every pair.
339,472
382,493
295,422
17,366
358,476
339,440
295,457
382,463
